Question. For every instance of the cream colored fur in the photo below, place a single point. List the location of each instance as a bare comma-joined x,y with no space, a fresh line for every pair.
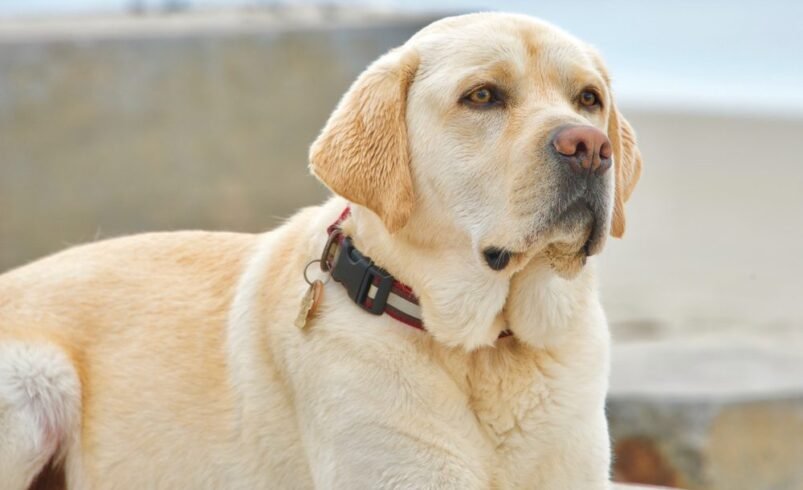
172,360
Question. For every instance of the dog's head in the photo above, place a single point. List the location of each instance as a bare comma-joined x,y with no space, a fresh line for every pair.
497,128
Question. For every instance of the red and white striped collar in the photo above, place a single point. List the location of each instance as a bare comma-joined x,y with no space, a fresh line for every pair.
370,286
367,284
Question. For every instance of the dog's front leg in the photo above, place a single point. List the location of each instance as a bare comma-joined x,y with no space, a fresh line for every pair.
577,460
562,322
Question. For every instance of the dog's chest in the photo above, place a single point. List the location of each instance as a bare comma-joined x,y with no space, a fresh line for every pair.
508,399
525,403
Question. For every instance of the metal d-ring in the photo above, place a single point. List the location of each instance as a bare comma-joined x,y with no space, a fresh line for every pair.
306,267
334,239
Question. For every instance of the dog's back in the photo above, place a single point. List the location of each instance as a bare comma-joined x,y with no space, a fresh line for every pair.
133,327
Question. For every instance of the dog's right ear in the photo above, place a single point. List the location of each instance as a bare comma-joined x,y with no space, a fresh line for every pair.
627,164
362,153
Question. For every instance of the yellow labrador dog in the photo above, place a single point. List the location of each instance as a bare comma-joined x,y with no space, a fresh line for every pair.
476,168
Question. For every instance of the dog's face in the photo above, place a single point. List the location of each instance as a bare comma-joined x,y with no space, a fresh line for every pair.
495,127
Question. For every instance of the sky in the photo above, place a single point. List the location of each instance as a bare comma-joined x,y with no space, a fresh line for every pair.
738,56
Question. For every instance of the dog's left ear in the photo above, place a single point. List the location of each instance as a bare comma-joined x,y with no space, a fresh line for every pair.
627,164
362,153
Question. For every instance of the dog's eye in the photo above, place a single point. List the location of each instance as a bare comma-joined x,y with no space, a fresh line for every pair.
482,97
588,99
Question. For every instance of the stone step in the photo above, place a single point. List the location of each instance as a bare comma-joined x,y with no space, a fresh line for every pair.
708,414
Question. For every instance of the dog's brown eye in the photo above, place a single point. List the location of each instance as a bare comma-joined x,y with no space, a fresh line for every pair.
482,97
588,99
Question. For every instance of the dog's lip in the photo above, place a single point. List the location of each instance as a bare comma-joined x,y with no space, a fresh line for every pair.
595,239
535,241
497,258
594,243
599,229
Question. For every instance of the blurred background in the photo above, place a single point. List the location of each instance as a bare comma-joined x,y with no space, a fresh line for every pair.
125,116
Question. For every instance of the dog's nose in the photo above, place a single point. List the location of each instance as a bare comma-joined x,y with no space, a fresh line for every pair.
584,148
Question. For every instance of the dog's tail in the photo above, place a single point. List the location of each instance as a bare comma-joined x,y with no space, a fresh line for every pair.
40,397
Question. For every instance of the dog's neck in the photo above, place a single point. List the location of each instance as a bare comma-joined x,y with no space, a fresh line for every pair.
465,303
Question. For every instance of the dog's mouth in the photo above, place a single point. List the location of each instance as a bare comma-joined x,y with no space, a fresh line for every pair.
577,233
566,240
580,227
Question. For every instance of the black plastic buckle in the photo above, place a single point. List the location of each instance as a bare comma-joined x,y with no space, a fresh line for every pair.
357,273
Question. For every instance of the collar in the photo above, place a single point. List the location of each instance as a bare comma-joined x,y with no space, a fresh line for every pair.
367,284
371,287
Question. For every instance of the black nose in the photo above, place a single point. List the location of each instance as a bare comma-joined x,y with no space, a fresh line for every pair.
585,149
496,258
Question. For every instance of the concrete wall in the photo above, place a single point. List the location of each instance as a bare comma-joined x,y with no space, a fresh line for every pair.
110,132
